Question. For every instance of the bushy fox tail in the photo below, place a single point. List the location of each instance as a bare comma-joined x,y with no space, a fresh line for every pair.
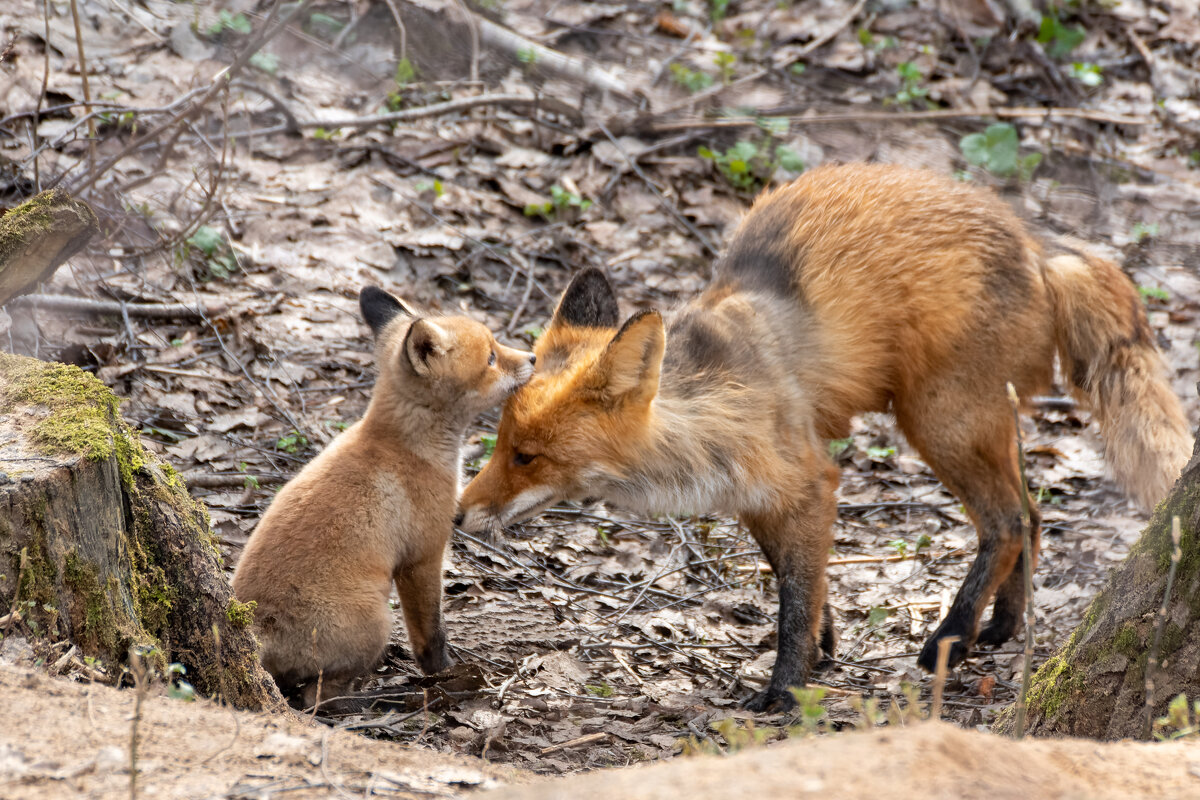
1108,354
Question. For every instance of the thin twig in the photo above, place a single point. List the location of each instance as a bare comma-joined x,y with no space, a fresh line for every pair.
1160,624
87,94
1027,565
666,204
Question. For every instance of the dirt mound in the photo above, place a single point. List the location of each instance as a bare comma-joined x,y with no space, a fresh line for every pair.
67,739
922,761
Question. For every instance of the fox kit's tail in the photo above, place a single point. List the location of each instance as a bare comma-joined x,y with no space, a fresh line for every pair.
1107,351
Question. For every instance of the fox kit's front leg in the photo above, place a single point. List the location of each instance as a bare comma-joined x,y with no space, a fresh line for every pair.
420,589
796,540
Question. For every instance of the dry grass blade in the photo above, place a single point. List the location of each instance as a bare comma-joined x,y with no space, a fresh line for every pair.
1027,566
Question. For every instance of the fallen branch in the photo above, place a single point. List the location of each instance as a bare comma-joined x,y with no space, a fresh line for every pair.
793,113
582,740
87,305
449,107
39,235
570,67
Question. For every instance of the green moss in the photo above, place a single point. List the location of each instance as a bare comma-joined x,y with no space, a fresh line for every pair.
82,409
34,215
240,614
1052,685
1127,641
1172,640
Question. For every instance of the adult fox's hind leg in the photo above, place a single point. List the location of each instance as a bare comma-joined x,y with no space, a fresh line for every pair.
1010,597
967,438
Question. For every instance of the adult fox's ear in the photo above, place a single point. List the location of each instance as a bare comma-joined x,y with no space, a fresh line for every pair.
588,302
379,308
630,366
424,343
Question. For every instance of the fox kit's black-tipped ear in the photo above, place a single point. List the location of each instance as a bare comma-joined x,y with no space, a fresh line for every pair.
379,308
589,302
425,342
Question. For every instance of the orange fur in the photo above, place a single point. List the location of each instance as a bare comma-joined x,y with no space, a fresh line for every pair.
375,508
855,288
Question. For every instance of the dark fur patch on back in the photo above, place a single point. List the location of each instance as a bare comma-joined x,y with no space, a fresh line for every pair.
589,301
1007,279
762,255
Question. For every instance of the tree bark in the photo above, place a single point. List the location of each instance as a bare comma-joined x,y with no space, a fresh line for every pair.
101,545
39,235
1095,686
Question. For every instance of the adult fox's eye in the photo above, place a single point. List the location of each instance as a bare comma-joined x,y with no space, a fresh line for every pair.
521,459
491,358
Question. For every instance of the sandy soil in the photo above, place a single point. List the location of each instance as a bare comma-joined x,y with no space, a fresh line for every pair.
59,738
930,760
66,739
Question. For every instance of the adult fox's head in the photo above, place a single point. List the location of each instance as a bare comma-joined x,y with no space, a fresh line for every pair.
585,414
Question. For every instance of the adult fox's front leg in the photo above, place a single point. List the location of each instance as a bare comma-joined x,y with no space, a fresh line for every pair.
796,541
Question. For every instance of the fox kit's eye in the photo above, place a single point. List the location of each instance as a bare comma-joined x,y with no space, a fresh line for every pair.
492,358
521,459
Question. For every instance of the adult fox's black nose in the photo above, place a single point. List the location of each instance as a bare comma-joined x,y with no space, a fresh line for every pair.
458,518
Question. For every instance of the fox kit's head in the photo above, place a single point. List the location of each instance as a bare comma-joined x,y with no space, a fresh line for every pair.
585,413
451,364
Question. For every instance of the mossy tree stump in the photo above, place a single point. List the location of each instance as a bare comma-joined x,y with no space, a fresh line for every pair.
102,545
1095,686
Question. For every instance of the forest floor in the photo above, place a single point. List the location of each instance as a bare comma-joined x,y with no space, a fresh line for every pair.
592,638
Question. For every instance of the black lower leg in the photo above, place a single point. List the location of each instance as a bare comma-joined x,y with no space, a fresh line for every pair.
796,650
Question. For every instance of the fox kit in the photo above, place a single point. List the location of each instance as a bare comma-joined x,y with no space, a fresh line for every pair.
375,507
855,288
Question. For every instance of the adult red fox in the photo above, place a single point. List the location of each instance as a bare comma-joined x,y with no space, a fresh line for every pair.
855,288
375,507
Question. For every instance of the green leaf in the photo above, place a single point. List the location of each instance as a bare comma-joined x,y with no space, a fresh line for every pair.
405,72
789,159
743,150
877,616
909,72
488,440
704,152
1002,144
839,446
776,126
974,149
880,453
239,24
207,240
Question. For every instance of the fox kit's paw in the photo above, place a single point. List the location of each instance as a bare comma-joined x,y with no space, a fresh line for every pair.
435,657
770,700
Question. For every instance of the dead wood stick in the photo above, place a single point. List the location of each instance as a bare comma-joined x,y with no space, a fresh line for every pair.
793,114
87,305
449,107
39,235
570,67
236,480
582,740
832,31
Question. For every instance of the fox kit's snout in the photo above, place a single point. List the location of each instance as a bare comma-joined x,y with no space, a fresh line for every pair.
375,508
